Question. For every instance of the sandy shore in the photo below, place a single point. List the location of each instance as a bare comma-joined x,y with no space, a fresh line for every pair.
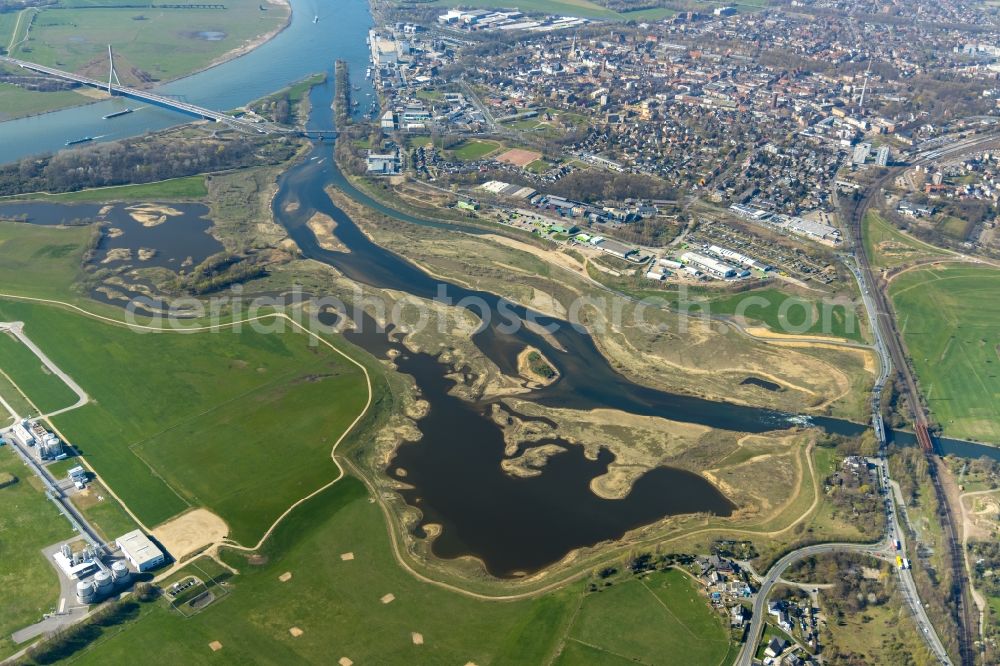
254,43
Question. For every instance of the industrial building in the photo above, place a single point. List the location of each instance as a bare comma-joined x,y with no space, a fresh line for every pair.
140,551
738,257
711,266
613,247
33,434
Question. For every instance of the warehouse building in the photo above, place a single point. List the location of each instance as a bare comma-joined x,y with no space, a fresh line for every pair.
140,551
711,266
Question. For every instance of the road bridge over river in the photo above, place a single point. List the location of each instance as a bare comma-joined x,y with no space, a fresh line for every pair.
247,125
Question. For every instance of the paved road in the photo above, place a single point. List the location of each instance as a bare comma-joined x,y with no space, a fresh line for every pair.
774,574
16,328
882,549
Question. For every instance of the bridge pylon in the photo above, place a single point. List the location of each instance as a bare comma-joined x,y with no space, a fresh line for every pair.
112,74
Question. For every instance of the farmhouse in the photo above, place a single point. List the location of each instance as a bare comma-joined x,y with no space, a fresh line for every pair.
140,551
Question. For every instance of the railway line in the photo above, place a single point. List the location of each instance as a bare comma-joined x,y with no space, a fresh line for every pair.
884,318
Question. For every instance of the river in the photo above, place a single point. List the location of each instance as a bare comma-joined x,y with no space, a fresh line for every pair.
300,50
513,525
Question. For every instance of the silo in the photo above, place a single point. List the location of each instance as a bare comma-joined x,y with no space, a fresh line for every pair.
66,551
85,592
120,573
103,583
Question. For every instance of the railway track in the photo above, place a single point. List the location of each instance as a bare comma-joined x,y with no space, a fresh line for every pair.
959,594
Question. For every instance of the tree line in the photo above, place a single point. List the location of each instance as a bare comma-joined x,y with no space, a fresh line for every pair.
140,160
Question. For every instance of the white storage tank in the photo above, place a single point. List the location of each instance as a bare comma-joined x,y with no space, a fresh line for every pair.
85,592
120,572
103,582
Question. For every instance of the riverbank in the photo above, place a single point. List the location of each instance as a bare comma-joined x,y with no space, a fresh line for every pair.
281,15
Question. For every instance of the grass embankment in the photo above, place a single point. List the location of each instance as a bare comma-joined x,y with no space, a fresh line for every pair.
28,523
188,187
154,45
950,318
335,602
888,247
239,422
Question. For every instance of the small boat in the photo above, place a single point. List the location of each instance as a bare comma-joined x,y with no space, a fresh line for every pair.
368,73
357,87
76,141
118,113
316,18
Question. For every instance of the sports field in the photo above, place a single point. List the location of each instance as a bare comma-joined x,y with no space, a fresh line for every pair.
472,150
28,523
241,423
336,603
950,318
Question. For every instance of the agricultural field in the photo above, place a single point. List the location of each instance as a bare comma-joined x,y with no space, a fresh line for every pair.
150,45
334,603
28,523
226,420
949,317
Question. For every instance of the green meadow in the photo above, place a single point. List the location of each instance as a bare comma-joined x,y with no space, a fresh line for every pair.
150,43
786,313
337,604
28,523
950,319
40,261
888,247
33,378
241,422
238,421
661,619
188,187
